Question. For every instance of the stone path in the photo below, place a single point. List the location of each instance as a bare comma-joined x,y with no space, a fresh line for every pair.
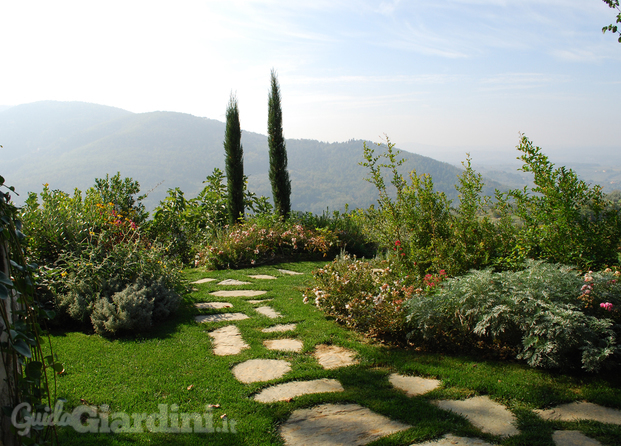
352,424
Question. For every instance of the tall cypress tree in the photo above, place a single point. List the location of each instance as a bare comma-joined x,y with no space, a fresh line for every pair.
279,176
234,154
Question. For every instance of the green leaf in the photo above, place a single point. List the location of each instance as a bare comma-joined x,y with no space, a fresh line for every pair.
58,367
5,279
4,292
22,348
33,369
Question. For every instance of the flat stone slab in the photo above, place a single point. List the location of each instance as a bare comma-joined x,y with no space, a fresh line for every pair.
452,440
291,273
333,356
337,424
279,328
413,385
262,277
238,293
258,301
227,341
233,282
268,311
580,410
208,279
213,305
256,370
284,345
220,317
482,412
573,438
288,391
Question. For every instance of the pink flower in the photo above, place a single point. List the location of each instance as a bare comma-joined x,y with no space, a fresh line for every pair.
606,306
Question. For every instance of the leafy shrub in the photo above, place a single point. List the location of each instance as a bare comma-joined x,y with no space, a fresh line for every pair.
541,312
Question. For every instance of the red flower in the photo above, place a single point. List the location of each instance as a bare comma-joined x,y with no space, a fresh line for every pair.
398,243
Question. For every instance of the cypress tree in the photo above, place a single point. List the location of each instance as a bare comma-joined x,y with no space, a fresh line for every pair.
234,155
279,176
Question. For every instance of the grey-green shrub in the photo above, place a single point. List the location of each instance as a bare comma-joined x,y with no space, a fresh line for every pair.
537,310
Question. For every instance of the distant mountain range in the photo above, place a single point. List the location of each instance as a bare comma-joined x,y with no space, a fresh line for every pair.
69,144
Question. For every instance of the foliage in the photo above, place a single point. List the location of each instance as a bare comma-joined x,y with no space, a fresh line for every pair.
614,4
564,220
266,239
234,157
25,366
544,312
120,192
278,174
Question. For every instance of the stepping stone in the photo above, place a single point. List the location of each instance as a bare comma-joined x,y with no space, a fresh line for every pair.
287,391
580,410
279,328
337,424
213,305
284,345
482,412
220,317
333,356
452,440
258,301
573,438
227,341
290,273
233,282
256,370
238,293
208,279
413,385
262,277
268,311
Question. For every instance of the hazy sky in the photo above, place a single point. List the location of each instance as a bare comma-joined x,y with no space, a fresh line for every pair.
437,72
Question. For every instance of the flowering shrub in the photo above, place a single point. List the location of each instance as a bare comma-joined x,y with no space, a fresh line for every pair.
366,296
266,240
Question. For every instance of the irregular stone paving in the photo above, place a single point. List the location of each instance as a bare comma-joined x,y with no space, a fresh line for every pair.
337,424
220,317
452,440
290,273
258,301
233,282
227,341
288,391
489,416
262,277
213,305
580,410
573,438
238,293
284,345
333,356
269,312
208,279
256,370
279,328
413,385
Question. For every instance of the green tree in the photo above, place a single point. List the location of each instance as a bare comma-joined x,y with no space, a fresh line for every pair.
234,154
279,176
614,4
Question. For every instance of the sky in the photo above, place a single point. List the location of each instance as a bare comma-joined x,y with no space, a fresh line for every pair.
442,74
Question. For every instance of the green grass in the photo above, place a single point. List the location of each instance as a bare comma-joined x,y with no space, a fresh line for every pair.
135,374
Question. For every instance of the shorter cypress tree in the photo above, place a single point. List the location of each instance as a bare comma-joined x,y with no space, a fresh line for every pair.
234,157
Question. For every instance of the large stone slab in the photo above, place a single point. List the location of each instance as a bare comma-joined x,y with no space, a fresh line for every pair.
580,410
452,440
573,438
213,305
269,312
337,424
227,341
233,282
333,356
489,416
256,370
284,345
279,328
220,317
207,279
238,293
288,391
262,277
290,273
413,385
